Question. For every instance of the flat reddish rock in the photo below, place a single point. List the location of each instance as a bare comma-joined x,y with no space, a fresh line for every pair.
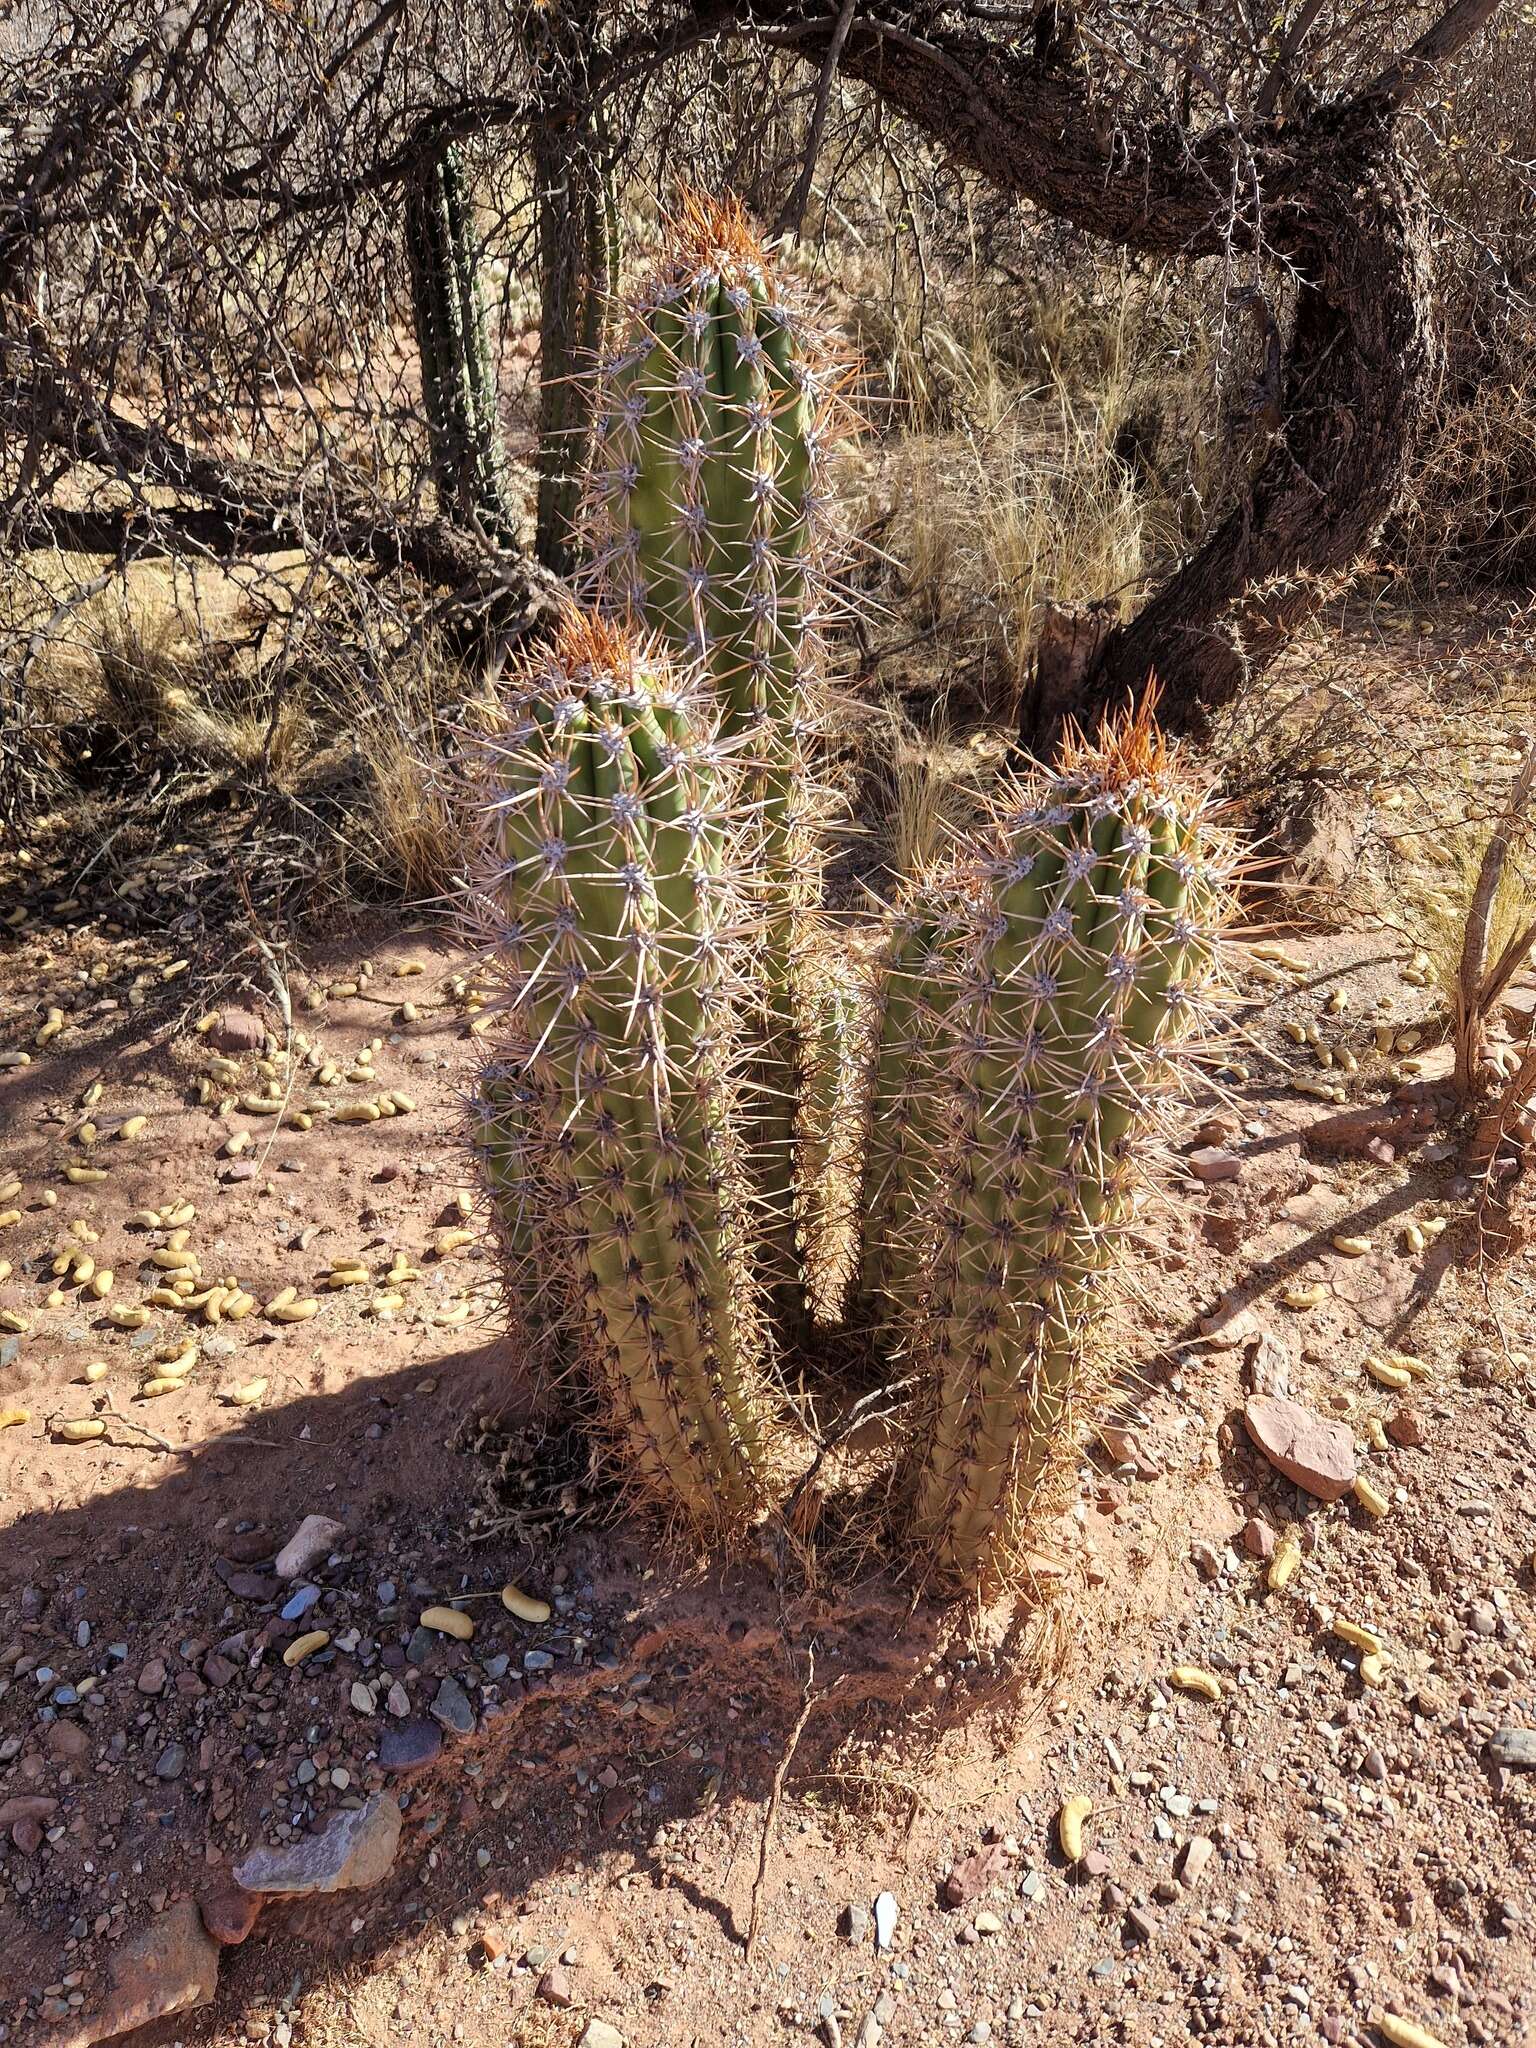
229,1911
1317,1455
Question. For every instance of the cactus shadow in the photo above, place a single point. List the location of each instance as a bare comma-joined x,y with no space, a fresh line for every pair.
657,1708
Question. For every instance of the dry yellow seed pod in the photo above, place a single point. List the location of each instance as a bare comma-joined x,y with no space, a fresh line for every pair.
1387,1375
1403,2033
282,1298
1413,1238
448,1242
238,1307
1191,1678
205,1024
174,1259
96,1370
8,1217
85,1176
134,1127
449,1318
146,1219
1373,1668
386,1304
1352,1247
1283,1564
299,1120
236,1143
14,1321
1312,1296
10,1417
248,1395
128,1318
404,1104
295,1311
1375,1503
165,1383
9,1190
1069,1826
1356,1634
448,1621
81,1429
100,1282
82,1268
305,1646
524,1605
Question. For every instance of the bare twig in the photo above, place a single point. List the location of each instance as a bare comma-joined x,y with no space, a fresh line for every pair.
810,1702
1475,993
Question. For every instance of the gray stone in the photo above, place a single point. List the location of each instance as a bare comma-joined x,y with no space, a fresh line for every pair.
452,1708
410,1747
856,1923
315,1535
538,1660
355,1851
299,1604
1513,1749
172,1761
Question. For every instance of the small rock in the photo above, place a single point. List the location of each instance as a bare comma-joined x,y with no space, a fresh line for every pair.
151,1679
1213,1163
598,2034
409,1747
856,1923
1206,1559
218,1670
1513,1749
886,1913
27,1836
988,1923
33,1806
238,1031
1140,1925
1405,1429
67,1742
229,1911
972,1875
1198,1851
298,1604
355,1851
172,1761
452,1708
1316,1455
314,1537
555,1987
1258,1539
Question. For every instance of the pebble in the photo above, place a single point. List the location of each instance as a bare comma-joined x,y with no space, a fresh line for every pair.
301,1602
886,1914
598,2034
411,1746
1514,1749
555,1987
151,1679
172,1761
1258,1538
1214,1163
856,1923
453,1709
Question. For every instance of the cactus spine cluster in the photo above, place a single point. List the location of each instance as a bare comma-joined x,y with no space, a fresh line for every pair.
706,517
457,370
619,934
1094,909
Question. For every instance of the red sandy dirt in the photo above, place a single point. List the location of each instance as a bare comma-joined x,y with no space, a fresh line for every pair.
1286,1863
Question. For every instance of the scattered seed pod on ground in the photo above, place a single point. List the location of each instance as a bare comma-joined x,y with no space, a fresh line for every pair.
524,1605
305,1646
1069,1826
448,1621
1193,1678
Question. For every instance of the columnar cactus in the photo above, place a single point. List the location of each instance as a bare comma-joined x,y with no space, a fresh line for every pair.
618,930
458,373
1095,907
706,516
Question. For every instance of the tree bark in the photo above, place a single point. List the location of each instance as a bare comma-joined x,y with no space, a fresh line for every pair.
1331,194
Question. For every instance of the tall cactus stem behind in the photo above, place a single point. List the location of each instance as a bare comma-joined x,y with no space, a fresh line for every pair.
1095,910
457,366
706,516
615,923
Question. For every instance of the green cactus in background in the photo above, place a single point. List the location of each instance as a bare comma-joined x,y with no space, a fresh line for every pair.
458,373
619,933
706,517
1093,912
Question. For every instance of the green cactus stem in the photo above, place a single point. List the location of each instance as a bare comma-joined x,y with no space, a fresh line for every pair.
615,916
457,367
1095,909
706,517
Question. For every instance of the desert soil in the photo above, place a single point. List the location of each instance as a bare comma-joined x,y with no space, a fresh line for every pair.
585,1800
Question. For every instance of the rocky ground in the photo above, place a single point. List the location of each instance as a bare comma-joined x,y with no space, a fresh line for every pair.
257,1785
